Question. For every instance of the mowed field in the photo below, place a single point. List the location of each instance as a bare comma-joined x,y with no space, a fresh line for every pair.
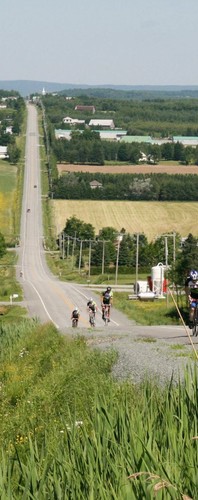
129,169
8,175
151,218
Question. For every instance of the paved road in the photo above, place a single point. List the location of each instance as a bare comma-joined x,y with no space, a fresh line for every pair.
46,297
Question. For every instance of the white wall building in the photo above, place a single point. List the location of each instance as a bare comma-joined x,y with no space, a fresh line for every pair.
73,121
102,123
3,152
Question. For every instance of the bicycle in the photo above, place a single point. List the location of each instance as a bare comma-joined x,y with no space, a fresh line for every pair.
195,320
106,313
74,322
92,318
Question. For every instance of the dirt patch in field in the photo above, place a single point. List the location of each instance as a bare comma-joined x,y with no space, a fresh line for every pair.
129,169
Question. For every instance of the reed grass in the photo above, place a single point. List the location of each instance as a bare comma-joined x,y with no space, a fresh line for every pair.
72,432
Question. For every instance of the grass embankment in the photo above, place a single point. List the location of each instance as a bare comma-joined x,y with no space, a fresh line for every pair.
157,312
72,432
9,284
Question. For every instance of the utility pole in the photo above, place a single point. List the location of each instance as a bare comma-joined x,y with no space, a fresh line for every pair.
63,245
137,260
89,258
67,247
103,255
174,247
166,251
117,258
80,255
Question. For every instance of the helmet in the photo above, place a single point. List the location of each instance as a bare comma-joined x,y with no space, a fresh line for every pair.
90,300
193,275
108,288
75,308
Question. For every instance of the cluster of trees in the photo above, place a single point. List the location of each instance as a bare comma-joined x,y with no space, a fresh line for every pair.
77,236
155,187
158,117
87,147
12,115
3,247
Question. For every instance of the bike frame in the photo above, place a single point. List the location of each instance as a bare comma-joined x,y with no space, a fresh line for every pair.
195,320
74,322
92,315
106,313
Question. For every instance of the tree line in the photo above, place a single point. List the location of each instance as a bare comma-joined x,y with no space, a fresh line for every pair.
79,237
158,117
134,187
88,148
12,115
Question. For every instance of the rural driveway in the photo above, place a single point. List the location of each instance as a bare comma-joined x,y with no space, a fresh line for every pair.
52,300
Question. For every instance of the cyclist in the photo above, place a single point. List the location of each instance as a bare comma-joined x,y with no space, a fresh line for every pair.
191,289
91,304
106,300
75,315
92,307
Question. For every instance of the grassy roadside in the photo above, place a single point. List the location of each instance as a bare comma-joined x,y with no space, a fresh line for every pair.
72,431
159,312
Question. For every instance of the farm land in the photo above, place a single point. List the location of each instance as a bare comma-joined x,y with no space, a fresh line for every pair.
163,168
8,176
151,218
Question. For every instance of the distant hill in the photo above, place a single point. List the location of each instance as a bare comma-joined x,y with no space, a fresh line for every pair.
27,87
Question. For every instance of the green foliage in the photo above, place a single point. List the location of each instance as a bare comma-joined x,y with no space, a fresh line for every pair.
2,245
72,432
151,187
158,312
188,258
76,228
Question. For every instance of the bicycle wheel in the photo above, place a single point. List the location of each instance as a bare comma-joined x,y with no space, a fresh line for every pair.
194,328
91,320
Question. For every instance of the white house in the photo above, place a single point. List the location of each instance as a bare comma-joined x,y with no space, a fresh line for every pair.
8,130
95,184
102,123
73,121
3,152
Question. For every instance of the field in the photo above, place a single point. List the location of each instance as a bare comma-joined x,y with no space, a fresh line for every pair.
7,192
130,169
151,218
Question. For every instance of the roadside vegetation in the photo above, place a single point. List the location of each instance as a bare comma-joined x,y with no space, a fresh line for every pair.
72,431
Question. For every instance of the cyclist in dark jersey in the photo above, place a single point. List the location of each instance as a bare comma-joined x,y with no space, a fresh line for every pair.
191,289
106,300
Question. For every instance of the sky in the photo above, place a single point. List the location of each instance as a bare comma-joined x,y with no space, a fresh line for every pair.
98,42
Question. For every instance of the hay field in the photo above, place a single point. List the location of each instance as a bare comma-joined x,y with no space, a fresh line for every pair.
129,169
151,218
7,194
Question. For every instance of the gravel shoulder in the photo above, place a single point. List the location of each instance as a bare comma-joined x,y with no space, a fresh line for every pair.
160,353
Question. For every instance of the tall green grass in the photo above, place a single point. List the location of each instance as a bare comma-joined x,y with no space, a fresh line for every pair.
69,431
157,312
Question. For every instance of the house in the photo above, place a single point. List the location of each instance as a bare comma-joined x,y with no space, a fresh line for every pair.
143,158
63,134
95,184
3,152
8,130
79,107
73,121
111,135
109,124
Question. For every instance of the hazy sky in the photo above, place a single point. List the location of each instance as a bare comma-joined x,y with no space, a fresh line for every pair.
128,42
